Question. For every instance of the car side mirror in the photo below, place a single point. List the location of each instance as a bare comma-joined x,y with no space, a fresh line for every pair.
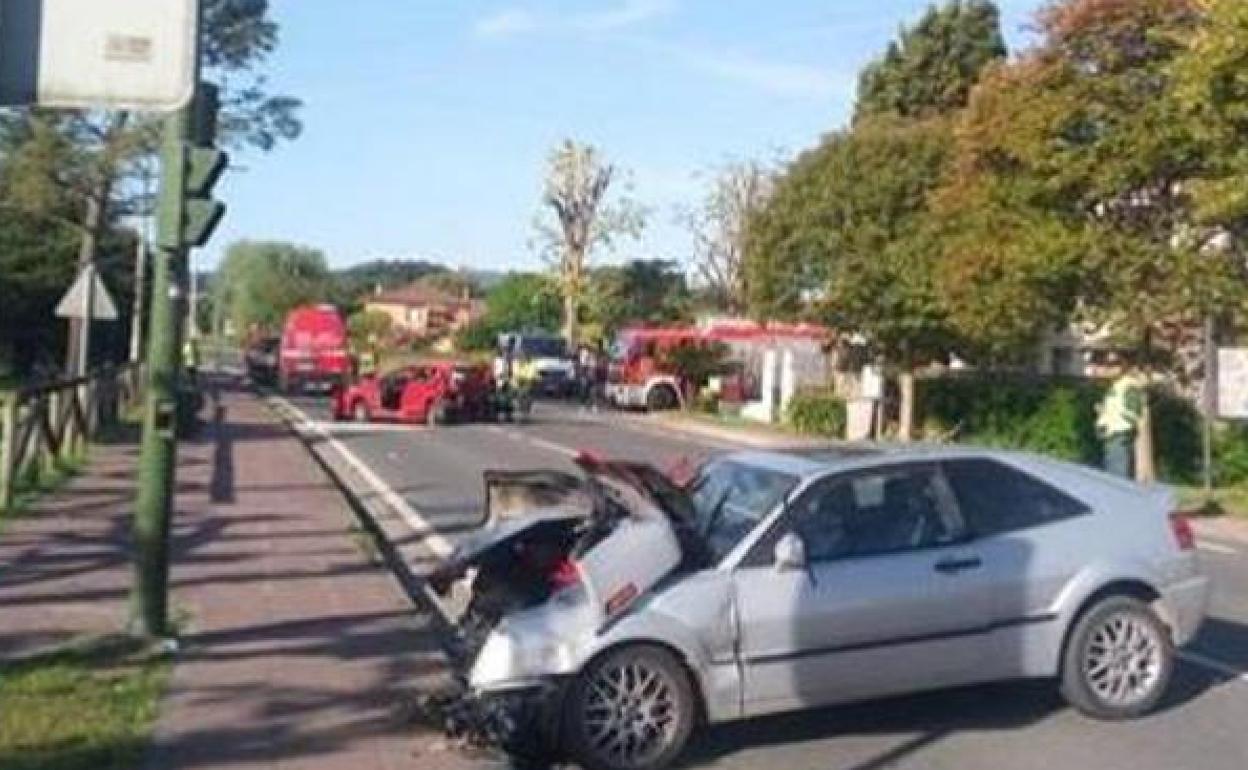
790,553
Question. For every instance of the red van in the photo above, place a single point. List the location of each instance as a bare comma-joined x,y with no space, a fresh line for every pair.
314,349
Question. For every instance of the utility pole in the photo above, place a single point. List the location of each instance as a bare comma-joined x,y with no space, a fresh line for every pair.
185,218
158,451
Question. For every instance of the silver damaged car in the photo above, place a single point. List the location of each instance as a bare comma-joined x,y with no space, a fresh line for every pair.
612,612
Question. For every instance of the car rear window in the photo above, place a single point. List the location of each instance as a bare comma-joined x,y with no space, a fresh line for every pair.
995,498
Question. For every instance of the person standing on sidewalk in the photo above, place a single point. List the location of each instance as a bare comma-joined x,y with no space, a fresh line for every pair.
1118,421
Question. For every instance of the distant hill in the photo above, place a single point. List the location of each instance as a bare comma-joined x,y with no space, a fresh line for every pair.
351,284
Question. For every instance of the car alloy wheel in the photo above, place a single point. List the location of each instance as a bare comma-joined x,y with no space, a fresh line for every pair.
1118,660
632,710
1122,661
360,412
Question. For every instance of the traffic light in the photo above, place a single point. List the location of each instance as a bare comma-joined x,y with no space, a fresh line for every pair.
204,166
191,216
202,214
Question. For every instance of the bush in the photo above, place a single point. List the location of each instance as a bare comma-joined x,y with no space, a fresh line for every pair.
1056,417
817,413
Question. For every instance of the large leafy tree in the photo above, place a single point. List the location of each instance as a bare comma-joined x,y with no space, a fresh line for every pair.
83,170
1212,90
644,291
1089,127
847,234
931,67
843,241
259,282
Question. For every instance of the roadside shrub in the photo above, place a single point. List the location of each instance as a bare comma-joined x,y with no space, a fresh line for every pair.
1176,437
1230,452
1056,417
817,412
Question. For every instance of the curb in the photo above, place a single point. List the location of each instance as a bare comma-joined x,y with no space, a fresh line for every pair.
414,586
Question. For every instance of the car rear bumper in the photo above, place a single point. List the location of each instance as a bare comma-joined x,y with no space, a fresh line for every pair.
1186,604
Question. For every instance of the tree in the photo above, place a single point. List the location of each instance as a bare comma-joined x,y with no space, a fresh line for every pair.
930,69
841,241
1089,127
83,169
737,193
1212,91
517,302
368,327
576,189
650,291
260,282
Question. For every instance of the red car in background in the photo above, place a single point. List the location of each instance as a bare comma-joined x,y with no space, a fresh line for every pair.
313,350
433,393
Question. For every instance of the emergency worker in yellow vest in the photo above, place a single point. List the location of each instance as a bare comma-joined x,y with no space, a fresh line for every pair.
1118,422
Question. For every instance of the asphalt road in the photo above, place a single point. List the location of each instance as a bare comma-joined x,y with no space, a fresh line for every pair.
1203,724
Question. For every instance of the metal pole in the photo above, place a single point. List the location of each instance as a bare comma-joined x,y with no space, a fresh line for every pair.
136,315
84,328
158,455
1210,399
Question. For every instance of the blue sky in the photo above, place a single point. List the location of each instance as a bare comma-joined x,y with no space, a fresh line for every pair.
428,121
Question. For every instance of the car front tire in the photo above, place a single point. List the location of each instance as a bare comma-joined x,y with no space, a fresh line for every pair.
1118,660
359,411
631,709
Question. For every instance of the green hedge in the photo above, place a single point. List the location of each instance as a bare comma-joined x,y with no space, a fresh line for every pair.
818,412
1057,417
1054,417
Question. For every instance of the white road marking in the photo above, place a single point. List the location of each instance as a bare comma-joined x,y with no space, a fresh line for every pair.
349,428
1209,545
551,446
1214,664
430,537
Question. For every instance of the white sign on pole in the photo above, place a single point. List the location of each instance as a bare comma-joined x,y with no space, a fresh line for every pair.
1233,383
119,54
78,304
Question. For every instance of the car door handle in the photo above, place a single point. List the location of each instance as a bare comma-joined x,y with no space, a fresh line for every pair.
952,566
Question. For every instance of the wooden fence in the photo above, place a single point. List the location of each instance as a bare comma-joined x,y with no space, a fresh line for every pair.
45,424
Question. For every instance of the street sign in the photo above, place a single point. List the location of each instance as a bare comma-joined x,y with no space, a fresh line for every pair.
77,304
78,54
1232,393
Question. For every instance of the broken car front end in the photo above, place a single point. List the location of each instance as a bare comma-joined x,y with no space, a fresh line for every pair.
559,559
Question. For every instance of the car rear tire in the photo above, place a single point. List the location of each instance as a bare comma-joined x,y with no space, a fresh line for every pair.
632,709
662,398
1118,660
359,411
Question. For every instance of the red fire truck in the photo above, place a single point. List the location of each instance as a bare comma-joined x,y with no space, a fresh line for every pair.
642,373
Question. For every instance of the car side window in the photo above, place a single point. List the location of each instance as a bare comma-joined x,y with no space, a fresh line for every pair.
995,498
893,509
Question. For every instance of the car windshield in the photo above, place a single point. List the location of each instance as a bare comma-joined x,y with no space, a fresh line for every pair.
542,347
730,499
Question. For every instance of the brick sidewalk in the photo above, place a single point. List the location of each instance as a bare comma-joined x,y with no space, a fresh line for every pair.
297,652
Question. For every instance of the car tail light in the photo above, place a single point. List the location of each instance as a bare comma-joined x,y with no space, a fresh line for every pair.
1181,526
564,575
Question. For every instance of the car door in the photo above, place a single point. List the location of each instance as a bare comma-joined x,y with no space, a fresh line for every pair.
892,599
417,393
1031,534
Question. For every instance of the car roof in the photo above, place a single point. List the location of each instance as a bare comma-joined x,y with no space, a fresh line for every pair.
809,461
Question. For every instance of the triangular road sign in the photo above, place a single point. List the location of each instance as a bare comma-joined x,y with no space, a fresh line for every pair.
77,304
